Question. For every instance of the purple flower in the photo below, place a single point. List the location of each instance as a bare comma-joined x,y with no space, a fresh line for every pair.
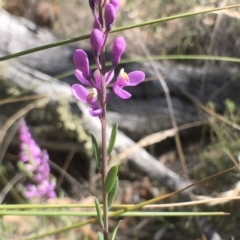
82,94
81,61
96,39
118,49
124,79
115,3
35,162
109,16
97,76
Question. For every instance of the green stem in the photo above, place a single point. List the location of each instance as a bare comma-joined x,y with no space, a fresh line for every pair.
94,214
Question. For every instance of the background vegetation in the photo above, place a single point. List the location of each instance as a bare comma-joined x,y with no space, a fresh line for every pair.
217,147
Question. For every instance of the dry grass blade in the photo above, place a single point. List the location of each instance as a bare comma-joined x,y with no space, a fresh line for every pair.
18,115
144,142
23,98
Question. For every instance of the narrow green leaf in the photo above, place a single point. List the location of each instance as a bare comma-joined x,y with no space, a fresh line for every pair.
96,151
112,138
100,236
98,209
110,179
112,194
115,231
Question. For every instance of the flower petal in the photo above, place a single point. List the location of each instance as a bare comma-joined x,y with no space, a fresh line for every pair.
80,59
109,77
121,93
115,3
95,112
135,78
79,92
122,79
98,79
81,78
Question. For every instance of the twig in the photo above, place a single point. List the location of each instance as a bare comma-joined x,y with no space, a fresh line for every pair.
65,167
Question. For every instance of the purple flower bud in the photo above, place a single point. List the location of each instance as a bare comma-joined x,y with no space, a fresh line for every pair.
115,3
118,49
109,16
96,39
80,59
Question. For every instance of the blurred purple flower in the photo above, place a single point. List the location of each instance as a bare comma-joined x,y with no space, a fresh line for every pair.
115,3
124,79
35,161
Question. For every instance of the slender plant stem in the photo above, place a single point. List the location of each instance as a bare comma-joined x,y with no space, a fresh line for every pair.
100,9
104,149
104,166
104,130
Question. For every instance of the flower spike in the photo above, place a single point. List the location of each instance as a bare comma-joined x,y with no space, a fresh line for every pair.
36,163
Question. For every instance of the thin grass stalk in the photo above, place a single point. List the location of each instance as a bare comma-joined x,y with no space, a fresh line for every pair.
76,39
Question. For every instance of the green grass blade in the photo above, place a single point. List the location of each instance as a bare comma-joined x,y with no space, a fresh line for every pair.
94,214
161,57
98,209
71,40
